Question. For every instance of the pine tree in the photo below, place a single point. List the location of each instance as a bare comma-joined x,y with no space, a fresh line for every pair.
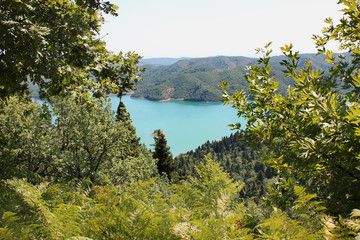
122,115
166,163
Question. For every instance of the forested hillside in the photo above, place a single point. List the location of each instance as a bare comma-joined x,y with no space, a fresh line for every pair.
198,79
237,158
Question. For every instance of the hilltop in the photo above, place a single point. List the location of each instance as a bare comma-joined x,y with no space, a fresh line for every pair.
197,79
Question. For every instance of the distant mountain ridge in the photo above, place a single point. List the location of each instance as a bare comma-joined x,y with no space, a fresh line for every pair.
197,79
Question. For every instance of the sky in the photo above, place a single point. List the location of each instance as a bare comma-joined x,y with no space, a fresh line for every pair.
203,28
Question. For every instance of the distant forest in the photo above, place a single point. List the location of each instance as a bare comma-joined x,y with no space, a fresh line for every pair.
198,79
237,158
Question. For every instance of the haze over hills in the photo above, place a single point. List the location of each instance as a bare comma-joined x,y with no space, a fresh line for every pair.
197,79
160,61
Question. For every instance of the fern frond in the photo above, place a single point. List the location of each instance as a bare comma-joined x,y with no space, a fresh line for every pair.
9,223
354,223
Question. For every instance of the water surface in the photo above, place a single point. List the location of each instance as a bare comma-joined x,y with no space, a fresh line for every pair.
187,125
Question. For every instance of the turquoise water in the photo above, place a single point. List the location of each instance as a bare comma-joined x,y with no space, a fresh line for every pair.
187,125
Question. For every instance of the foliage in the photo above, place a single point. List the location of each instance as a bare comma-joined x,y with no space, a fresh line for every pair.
133,212
71,169
165,162
91,142
85,141
206,204
203,207
236,158
353,223
208,185
139,210
54,44
25,139
310,132
59,211
344,228
198,79
279,226
123,116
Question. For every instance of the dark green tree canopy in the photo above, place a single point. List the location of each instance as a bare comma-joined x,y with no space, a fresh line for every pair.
166,163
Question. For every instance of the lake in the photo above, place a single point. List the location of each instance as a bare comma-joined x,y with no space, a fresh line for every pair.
187,125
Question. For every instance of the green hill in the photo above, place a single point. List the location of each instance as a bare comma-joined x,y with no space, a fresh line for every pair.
198,79
237,158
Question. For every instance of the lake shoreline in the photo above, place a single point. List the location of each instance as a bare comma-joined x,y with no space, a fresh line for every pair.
173,99
187,125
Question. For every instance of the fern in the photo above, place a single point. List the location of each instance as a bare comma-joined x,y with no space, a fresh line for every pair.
57,222
353,223
9,226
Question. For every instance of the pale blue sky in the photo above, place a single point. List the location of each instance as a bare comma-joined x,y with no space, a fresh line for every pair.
202,28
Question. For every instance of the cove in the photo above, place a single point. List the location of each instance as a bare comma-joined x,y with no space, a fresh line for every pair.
187,125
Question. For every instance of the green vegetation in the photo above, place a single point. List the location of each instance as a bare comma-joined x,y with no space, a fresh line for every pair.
237,158
85,141
165,162
55,46
198,79
72,169
312,132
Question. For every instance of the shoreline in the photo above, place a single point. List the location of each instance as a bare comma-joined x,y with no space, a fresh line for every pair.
153,100
173,99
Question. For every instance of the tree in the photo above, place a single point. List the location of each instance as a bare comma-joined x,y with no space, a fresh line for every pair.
237,158
166,163
25,139
123,116
313,132
87,139
55,44
84,141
